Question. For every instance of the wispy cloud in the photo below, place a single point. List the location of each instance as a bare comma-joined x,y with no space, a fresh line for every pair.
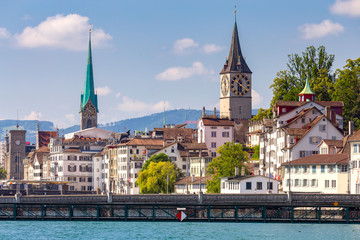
117,95
326,27
66,32
181,45
212,48
178,73
4,33
103,91
256,98
346,7
34,115
130,105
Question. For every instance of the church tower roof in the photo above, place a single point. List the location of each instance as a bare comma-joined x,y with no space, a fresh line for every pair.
235,62
89,92
307,88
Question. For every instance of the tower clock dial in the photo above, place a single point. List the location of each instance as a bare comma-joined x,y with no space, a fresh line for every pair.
240,84
224,85
89,110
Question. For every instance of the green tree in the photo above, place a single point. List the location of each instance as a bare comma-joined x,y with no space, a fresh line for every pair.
2,173
347,89
256,154
154,178
162,157
262,113
231,155
314,62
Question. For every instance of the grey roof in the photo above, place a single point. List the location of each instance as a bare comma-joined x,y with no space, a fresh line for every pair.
235,61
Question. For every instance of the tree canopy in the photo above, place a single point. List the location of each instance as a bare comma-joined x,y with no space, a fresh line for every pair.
2,173
231,155
314,63
154,178
347,89
161,157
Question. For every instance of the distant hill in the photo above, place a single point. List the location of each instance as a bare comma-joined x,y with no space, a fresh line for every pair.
149,122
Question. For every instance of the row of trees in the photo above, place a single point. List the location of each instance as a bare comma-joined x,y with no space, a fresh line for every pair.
343,85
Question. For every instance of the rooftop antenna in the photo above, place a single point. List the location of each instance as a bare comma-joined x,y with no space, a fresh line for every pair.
17,119
164,115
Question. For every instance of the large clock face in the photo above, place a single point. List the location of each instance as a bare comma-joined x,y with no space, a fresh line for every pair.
224,85
89,110
240,84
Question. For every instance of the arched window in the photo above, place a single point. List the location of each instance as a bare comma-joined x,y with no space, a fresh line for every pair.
89,124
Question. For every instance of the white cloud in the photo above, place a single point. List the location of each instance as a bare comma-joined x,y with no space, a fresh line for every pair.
66,32
211,48
256,99
117,95
177,73
323,29
103,91
4,33
181,45
71,118
346,7
131,105
34,115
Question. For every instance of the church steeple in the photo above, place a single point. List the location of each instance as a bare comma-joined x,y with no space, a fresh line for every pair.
88,103
235,62
89,92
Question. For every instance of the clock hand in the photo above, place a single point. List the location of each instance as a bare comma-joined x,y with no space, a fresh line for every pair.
236,80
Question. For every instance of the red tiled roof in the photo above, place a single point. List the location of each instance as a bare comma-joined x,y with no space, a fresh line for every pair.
320,159
190,180
144,142
355,137
298,104
44,137
217,122
336,143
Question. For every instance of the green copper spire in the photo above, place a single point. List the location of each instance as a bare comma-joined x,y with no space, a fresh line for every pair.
89,93
307,88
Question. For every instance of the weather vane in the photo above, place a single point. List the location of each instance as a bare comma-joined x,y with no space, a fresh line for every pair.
90,27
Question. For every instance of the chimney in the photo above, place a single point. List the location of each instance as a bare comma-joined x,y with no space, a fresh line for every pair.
236,171
333,116
242,171
351,127
327,112
203,112
214,112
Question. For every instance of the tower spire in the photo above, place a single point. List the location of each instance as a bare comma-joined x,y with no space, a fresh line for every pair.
89,92
236,61
307,94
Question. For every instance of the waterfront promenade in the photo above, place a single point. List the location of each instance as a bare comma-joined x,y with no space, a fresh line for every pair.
320,208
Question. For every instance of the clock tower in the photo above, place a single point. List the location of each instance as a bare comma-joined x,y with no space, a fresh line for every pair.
235,83
88,104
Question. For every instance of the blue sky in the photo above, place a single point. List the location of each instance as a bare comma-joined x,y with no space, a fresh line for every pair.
147,54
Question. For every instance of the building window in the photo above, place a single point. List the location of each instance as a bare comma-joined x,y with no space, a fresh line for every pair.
213,134
322,168
72,188
356,148
89,188
305,183
322,128
344,168
83,188
313,182
333,183
248,185
89,179
269,185
225,134
259,185
213,145
313,169
184,167
330,168
315,139
305,169
213,154
327,183
302,154
296,182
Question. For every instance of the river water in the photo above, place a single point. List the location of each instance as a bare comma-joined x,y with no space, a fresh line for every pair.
173,230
